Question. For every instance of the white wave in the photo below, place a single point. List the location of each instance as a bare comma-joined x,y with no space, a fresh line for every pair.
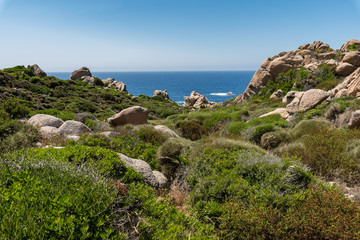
222,94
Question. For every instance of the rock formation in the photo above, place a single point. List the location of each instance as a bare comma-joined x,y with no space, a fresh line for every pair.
197,100
38,71
88,80
74,128
82,72
308,56
164,93
165,131
43,120
133,115
111,83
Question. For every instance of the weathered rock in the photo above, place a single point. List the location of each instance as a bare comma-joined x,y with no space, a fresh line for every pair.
164,93
108,80
353,83
278,66
290,96
76,128
355,120
49,132
88,80
197,100
259,80
281,111
120,86
304,101
38,71
344,69
326,56
43,120
143,168
278,94
83,71
133,115
345,46
353,58
165,131
162,180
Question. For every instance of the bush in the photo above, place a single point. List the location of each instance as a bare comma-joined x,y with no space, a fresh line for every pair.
151,135
168,156
234,128
51,200
273,139
191,129
306,126
15,109
261,130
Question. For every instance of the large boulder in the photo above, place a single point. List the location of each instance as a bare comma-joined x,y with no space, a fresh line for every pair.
353,83
353,58
82,72
164,93
49,132
162,180
133,115
88,80
278,94
165,131
197,100
277,66
38,71
108,80
43,120
74,128
304,101
344,69
144,169
345,46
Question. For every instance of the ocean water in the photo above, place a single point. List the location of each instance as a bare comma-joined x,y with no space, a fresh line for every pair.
217,86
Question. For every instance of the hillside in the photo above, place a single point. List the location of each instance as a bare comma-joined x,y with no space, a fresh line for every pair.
82,158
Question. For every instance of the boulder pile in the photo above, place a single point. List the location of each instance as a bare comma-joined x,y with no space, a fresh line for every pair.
197,100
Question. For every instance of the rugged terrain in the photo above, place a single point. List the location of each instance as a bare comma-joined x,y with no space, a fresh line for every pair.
83,158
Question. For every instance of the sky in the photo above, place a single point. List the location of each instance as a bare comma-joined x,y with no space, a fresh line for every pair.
167,35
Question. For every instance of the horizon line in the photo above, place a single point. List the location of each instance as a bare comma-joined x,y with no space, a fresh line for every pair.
114,71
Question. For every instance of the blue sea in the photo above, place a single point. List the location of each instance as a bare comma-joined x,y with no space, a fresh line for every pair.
215,85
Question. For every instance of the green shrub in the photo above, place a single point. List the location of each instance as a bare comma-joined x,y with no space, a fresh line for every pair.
306,126
50,200
261,130
98,82
93,140
191,129
15,109
353,47
234,128
274,138
168,157
150,135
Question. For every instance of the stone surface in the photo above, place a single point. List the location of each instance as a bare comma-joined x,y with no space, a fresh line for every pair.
88,80
344,69
108,80
344,47
353,83
281,111
75,128
43,120
197,100
353,58
162,180
133,115
165,131
289,97
143,168
304,101
278,66
119,86
355,120
278,94
38,71
49,132
164,93
83,71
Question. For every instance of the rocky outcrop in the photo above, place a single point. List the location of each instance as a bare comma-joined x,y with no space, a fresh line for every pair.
345,46
82,72
162,180
88,80
119,86
133,115
349,87
43,120
308,56
38,71
165,131
303,101
156,180
164,93
74,128
197,100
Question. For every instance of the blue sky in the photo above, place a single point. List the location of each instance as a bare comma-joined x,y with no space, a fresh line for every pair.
165,35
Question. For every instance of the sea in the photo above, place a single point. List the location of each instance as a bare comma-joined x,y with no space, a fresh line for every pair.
217,86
